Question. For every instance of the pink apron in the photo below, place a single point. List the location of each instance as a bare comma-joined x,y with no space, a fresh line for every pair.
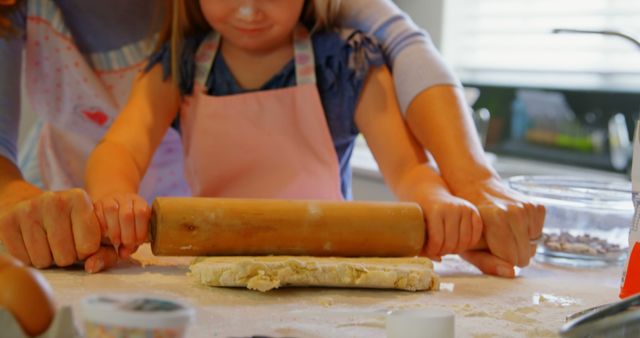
77,97
266,144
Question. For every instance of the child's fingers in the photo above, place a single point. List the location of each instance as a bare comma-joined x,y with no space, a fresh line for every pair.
451,231
99,211
110,209
142,214
127,221
435,229
126,251
465,232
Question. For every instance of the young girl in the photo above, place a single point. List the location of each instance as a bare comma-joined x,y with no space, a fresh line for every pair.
267,110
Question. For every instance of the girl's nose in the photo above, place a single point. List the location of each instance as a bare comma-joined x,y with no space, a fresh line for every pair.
247,10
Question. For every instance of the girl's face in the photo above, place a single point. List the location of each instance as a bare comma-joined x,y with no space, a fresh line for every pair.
257,25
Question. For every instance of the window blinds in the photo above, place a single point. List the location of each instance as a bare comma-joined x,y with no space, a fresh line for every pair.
510,42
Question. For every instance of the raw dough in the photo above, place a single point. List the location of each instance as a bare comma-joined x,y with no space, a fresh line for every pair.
265,273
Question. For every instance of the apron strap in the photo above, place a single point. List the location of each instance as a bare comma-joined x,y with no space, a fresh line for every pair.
205,56
303,57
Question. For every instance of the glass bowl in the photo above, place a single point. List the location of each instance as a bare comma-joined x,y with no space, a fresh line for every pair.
587,219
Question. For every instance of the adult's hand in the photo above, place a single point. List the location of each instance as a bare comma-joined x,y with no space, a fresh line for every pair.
47,228
440,119
510,224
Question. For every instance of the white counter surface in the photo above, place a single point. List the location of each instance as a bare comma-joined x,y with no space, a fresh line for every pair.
533,305
364,165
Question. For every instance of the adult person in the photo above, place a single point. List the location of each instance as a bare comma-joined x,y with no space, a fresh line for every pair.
97,59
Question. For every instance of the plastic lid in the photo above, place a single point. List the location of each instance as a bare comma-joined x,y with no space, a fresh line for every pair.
422,323
136,311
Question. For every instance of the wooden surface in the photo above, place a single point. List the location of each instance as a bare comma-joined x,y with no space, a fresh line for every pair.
532,305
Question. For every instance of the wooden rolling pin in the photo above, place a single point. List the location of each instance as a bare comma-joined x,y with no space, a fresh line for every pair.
190,226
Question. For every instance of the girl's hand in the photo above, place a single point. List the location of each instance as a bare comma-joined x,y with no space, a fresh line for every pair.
124,219
453,224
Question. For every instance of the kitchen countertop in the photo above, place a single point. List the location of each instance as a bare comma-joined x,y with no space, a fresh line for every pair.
364,165
532,305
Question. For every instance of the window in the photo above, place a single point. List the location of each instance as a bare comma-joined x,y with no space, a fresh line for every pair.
510,42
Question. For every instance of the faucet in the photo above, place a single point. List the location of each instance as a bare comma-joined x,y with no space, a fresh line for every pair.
619,144
625,36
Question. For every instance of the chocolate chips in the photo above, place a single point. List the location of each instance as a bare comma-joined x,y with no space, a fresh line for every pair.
581,244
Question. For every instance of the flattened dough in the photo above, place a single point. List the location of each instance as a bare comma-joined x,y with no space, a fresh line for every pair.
265,273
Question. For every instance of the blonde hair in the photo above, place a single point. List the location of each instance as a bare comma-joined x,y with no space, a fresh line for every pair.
184,19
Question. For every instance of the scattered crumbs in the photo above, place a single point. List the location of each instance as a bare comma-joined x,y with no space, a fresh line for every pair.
378,322
538,333
518,318
464,308
405,307
292,332
326,302
477,314
545,298
468,310
526,310
542,333
143,264
447,287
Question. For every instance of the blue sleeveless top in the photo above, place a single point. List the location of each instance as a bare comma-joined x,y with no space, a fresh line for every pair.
343,61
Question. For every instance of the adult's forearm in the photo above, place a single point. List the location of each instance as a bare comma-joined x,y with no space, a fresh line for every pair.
13,188
441,120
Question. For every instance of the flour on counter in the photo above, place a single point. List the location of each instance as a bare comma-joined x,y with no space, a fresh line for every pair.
517,317
538,333
545,298
326,302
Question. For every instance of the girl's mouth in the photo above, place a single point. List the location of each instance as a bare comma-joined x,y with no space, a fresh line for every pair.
251,29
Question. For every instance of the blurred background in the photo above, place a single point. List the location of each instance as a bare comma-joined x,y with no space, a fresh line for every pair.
554,84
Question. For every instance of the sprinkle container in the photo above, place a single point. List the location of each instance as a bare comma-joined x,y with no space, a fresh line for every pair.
133,316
